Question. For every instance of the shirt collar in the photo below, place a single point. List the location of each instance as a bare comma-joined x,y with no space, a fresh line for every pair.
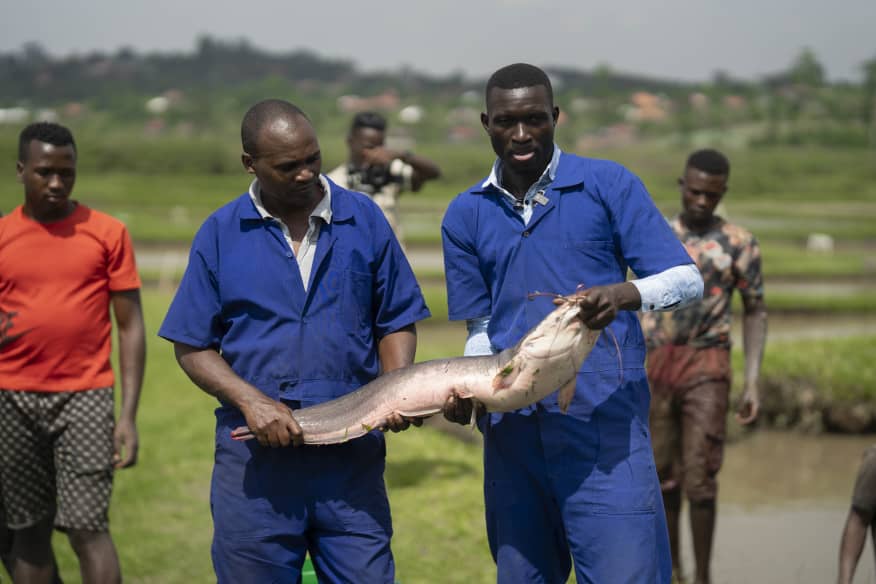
547,177
323,209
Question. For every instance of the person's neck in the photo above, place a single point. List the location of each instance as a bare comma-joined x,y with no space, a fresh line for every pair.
699,227
293,213
50,217
518,184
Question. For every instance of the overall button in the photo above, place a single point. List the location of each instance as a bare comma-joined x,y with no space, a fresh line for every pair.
526,233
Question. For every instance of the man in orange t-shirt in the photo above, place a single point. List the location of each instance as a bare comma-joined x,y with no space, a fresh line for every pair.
62,266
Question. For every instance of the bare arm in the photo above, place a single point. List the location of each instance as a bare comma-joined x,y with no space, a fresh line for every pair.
852,544
423,168
269,420
754,330
397,350
128,313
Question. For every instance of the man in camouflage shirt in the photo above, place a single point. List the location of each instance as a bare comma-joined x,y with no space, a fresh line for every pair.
689,356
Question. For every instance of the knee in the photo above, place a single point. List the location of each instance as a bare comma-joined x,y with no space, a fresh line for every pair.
702,504
33,544
5,540
701,486
83,540
672,499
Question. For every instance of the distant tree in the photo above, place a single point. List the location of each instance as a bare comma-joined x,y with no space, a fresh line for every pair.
602,78
806,70
869,68
34,54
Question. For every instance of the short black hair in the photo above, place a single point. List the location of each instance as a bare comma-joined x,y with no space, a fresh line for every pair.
258,115
368,120
709,161
519,75
48,132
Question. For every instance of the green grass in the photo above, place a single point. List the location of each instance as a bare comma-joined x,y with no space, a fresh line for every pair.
787,260
160,515
842,369
780,193
160,512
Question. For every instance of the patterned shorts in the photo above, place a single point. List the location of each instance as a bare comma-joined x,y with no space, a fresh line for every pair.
690,394
56,456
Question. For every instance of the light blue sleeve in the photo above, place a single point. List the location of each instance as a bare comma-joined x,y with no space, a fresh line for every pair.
478,341
670,289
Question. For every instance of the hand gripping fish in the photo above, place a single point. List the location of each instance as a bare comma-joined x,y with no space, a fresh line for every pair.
547,358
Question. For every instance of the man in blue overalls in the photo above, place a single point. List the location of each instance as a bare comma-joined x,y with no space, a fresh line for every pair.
581,484
296,292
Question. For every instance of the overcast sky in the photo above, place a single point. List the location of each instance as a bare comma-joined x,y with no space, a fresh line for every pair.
682,39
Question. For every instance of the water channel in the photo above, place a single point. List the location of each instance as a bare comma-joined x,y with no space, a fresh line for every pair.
783,502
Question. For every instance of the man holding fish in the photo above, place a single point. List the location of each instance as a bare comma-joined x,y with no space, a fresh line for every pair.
296,292
581,485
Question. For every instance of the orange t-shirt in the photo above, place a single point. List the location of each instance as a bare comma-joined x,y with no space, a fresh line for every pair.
55,284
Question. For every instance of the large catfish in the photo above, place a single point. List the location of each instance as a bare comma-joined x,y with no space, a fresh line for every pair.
547,358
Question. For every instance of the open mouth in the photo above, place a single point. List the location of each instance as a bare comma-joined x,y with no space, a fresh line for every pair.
523,156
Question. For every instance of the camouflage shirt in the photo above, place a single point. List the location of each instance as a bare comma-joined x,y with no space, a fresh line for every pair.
728,257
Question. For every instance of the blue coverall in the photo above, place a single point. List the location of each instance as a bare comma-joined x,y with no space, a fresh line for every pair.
582,483
242,294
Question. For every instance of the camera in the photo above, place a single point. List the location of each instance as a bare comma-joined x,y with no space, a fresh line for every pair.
372,179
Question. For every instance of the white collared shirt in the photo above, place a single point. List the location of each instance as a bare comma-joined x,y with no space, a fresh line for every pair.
322,213
536,188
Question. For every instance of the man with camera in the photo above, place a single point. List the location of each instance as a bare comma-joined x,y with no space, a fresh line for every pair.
379,172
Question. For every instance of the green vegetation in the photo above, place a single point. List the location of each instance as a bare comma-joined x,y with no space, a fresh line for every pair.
841,369
803,157
161,515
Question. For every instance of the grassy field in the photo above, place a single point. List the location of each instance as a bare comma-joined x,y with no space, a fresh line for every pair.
781,194
163,191
160,513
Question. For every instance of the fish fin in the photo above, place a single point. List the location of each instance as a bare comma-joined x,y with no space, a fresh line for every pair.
474,414
506,375
513,374
567,392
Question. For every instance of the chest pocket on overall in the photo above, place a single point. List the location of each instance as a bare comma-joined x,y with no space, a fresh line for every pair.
358,313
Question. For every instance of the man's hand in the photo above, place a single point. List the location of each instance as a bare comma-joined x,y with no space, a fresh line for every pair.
125,444
379,156
271,422
398,423
749,406
458,410
600,304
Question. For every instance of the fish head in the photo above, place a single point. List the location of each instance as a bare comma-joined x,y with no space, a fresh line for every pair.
547,358
560,332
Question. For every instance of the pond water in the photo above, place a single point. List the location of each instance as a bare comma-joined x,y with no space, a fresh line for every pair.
783,503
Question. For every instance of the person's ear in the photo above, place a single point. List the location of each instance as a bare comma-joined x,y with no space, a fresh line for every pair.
19,171
247,161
